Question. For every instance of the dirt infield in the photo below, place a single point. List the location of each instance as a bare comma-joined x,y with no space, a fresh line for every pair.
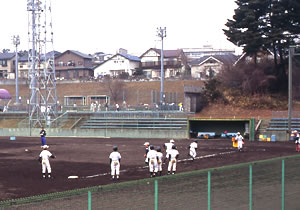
88,158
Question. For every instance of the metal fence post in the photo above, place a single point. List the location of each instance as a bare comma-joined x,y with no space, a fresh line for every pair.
208,190
250,187
89,200
252,129
282,186
156,194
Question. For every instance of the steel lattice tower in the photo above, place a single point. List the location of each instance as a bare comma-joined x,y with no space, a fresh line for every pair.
43,101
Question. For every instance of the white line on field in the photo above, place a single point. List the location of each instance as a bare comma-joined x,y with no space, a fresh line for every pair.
144,167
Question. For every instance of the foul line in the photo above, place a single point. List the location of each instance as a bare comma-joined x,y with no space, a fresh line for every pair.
144,167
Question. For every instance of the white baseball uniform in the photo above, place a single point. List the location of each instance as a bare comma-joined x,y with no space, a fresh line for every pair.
168,147
193,147
152,158
159,161
239,139
115,163
45,155
172,159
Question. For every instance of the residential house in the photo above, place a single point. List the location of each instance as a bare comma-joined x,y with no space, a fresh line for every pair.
261,56
175,63
206,50
24,66
7,65
100,57
72,64
208,66
118,64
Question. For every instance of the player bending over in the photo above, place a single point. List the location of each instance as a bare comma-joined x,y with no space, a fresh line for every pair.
159,160
173,157
193,149
152,160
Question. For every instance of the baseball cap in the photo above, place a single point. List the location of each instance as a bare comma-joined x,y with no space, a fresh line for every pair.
45,147
146,143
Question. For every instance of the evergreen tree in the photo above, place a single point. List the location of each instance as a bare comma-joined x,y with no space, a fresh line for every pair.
265,24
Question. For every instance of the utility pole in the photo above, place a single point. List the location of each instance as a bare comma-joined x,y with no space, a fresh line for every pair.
16,42
162,33
290,87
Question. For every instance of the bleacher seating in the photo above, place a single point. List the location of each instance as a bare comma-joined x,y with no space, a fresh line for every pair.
134,123
281,124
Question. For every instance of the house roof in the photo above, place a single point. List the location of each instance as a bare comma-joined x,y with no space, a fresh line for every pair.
225,59
77,53
130,57
24,57
7,56
167,53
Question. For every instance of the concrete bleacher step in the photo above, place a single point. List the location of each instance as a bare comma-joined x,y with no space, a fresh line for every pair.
137,123
282,124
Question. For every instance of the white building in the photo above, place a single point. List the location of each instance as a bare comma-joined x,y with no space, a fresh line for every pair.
208,66
118,64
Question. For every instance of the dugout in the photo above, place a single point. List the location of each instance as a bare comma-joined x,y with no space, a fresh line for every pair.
101,99
75,100
218,126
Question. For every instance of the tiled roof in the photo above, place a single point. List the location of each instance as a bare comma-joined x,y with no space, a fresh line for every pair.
169,53
130,57
81,54
7,56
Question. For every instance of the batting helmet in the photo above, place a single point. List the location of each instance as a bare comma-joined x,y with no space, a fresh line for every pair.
115,148
151,147
158,149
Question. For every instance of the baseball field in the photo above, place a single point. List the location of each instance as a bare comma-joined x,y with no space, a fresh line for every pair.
88,159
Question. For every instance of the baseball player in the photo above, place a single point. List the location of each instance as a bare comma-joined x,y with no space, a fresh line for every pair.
168,147
240,141
297,140
173,157
115,159
152,160
44,160
43,136
146,144
159,160
193,148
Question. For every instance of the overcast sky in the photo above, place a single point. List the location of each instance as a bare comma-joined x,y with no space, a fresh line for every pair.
96,25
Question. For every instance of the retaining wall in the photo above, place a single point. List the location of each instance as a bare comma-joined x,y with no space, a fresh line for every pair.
113,133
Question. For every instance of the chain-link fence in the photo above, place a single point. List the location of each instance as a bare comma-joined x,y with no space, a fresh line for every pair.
268,184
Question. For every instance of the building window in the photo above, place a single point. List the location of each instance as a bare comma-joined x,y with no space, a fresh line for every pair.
71,63
3,62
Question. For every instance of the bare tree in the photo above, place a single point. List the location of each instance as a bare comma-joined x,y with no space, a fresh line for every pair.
115,89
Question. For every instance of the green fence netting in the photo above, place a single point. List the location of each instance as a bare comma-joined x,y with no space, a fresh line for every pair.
268,184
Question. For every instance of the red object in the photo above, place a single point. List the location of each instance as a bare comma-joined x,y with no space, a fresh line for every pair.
297,147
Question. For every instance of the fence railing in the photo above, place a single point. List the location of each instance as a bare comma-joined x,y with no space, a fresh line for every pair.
267,184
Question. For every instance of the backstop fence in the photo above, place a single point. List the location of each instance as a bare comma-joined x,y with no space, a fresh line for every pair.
267,184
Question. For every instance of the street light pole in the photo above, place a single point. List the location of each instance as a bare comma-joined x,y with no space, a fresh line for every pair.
16,41
161,32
